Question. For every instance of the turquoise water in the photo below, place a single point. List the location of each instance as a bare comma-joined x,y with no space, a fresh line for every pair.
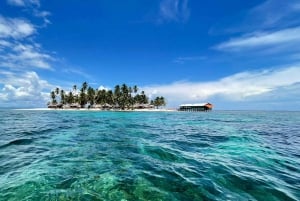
80,155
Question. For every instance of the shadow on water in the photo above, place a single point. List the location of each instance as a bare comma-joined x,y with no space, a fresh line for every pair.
23,141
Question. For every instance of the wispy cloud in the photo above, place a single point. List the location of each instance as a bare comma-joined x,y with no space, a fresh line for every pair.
15,28
269,15
17,47
44,15
24,89
174,10
33,7
274,13
182,60
77,72
237,87
262,39
24,3
25,56
16,2
19,53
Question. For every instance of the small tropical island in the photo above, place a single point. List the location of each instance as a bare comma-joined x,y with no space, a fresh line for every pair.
123,97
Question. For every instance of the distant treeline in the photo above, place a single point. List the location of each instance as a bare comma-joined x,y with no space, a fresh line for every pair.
123,97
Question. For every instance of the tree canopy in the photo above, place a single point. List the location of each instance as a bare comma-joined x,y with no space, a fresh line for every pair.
122,97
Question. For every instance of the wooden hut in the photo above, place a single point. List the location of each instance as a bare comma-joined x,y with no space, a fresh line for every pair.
198,107
143,106
75,106
55,106
106,106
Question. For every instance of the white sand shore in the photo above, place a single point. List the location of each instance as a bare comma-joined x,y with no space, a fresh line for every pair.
99,110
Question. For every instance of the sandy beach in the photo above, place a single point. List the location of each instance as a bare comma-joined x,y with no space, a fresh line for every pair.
99,110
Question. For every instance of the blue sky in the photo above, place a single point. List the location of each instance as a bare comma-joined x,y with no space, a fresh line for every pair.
235,54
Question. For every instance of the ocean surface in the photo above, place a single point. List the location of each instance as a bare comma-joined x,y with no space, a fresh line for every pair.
156,156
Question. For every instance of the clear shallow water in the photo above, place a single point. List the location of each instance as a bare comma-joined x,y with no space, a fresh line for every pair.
70,155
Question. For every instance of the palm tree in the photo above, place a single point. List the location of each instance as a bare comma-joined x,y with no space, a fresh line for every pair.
135,89
74,87
62,96
100,97
84,86
70,98
124,96
91,95
56,91
124,89
162,101
74,95
156,102
82,98
53,97
109,97
97,96
117,94
143,98
76,99
159,101
137,98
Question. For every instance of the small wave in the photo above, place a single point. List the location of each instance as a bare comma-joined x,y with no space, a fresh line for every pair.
37,132
149,156
67,183
161,153
18,142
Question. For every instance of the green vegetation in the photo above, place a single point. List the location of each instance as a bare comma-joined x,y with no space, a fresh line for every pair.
122,97
158,101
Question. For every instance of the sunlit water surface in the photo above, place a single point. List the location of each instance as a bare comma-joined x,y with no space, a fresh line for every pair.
82,155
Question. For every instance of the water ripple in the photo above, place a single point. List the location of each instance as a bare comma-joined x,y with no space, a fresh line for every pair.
73,155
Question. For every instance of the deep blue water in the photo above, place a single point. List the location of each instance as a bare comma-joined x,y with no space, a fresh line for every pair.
80,155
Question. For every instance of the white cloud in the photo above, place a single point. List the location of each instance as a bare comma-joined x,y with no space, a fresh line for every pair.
237,87
15,28
275,12
174,10
42,14
23,89
269,15
296,7
20,87
4,44
15,52
32,7
23,3
262,39
103,88
16,2
19,56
